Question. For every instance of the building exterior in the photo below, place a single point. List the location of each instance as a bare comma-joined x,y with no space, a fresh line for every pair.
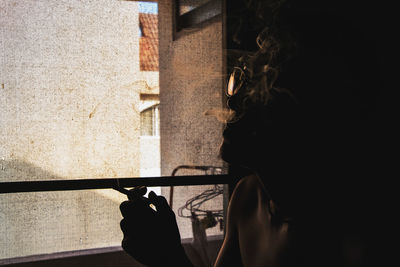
149,96
74,81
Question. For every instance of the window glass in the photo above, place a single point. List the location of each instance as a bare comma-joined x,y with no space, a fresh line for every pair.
190,207
84,95
75,77
146,122
48,222
150,122
71,95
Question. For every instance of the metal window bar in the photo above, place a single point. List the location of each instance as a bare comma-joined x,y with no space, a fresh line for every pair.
198,15
111,183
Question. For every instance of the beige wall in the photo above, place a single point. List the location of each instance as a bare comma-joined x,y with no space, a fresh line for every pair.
69,108
70,98
150,156
190,84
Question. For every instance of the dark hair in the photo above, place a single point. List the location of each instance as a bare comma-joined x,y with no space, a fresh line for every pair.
316,150
311,51
317,95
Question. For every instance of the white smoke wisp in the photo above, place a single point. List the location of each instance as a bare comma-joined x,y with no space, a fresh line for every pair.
221,114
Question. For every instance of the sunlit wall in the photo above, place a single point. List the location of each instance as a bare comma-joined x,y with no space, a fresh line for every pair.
70,107
69,88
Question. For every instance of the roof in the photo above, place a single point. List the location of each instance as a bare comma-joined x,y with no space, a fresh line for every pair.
148,43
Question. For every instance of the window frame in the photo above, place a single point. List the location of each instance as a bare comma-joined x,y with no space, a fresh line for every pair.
196,18
111,183
105,256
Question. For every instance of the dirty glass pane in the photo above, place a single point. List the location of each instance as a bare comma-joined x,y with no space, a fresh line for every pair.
200,215
74,78
48,222
204,203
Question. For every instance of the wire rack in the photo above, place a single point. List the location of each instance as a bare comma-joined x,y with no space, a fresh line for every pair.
194,206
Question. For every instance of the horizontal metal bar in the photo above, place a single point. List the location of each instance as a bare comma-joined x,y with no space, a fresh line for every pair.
199,15
107,183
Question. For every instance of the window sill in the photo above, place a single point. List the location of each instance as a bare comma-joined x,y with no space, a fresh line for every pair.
110,256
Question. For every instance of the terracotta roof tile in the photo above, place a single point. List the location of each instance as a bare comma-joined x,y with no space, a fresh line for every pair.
149,24
148,43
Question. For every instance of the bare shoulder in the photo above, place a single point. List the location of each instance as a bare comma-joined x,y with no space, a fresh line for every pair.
263,241
248,194
248,182
242,199
252,238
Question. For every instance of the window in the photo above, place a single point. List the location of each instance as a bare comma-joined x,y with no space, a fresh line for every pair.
77,103
186,6
192,14
150,121
70,109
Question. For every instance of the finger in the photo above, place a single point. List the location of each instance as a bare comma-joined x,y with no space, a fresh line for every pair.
127,208
160,202
138,210
127,227
137,192
135,230
130,209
